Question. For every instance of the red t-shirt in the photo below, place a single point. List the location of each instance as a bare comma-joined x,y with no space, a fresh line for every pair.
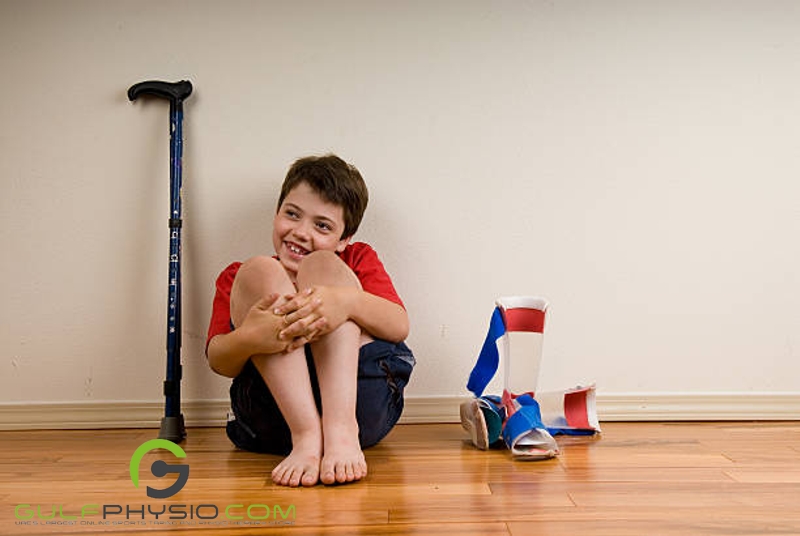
360,257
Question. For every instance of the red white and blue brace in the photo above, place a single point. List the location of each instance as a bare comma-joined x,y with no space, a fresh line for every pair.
523,429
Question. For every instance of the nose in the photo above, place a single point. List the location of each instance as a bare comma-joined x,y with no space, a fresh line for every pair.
302,230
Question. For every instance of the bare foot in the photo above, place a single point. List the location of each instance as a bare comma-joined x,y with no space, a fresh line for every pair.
343,460
301,466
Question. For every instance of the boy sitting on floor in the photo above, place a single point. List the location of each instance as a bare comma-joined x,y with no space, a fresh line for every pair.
313,337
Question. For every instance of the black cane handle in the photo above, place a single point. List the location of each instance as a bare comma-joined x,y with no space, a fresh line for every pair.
175,92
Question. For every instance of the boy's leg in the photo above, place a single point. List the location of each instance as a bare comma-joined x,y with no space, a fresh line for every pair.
286,375
336,360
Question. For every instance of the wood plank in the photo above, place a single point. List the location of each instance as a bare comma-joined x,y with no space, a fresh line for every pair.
759,475
663,522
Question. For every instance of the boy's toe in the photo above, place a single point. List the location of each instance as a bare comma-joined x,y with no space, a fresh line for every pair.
309,480
327,476
350,472
341,473
277,475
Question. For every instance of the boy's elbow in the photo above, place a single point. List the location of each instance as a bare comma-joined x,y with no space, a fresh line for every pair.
215,368
216,361
402,328
214,364
223,371
405,331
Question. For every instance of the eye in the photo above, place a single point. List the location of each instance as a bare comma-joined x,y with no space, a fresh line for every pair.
324,226
291,213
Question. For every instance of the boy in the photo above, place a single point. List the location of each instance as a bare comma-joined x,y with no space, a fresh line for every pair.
313,336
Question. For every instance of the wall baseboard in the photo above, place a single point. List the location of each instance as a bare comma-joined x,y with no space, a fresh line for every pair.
419,409
727,406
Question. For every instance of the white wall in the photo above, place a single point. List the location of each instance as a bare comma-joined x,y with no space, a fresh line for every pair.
635,162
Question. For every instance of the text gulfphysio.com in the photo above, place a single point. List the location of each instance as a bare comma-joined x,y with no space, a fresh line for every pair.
139,515
166,515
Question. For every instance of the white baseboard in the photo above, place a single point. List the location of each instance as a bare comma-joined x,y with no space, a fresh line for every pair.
645,407
729,406
419,409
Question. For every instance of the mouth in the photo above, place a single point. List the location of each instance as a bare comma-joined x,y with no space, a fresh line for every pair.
295,249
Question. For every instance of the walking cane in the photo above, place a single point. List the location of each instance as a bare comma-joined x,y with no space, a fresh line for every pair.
172,425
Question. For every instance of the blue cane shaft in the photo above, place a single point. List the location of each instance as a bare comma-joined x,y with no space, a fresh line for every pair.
173,376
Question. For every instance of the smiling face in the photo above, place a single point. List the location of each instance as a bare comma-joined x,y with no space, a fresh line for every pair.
305,222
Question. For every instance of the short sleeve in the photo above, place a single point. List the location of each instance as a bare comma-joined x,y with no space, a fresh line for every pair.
369,269
221,310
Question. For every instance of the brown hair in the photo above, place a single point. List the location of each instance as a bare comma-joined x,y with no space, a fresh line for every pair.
335,181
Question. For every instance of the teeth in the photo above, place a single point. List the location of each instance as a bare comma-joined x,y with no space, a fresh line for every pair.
297,250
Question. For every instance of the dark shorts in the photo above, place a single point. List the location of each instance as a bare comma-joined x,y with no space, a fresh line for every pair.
383,372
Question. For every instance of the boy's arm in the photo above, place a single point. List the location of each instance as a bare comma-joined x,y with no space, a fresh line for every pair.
380,317
227,354
322,309
259,334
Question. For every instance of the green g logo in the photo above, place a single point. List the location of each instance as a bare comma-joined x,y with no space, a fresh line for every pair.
160,467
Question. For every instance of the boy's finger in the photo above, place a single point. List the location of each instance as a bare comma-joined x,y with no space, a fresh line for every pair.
302,312
317,326
294,302
299,342
306,310
290,305
297,328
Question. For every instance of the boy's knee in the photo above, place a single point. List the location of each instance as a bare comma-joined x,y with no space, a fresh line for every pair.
319,258
323,267
259,265
257,278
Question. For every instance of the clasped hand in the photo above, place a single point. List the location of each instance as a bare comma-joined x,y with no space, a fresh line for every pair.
302,317
311,313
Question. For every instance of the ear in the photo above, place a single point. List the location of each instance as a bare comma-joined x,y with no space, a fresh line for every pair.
343,244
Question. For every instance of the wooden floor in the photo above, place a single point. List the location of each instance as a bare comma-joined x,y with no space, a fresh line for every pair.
637,478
